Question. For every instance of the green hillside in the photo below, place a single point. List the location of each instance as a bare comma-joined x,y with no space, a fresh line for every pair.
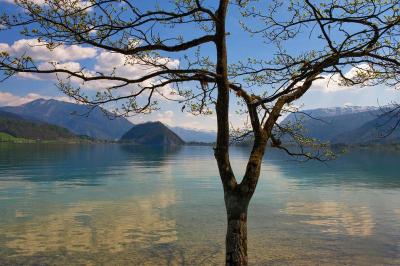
4,137
77,118
152,133
16,129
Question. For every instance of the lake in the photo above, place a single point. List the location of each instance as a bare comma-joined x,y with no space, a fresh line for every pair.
129,205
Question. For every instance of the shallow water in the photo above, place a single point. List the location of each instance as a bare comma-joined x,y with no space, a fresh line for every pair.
119,205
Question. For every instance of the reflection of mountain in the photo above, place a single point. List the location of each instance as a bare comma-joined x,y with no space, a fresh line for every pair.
362,168
66,163
150,156
76,164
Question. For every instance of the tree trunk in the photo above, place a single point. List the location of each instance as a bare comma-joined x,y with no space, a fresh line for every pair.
236,235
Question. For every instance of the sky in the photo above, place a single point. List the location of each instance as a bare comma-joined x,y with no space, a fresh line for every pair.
21,89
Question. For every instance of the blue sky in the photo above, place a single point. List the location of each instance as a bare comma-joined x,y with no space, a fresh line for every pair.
21,89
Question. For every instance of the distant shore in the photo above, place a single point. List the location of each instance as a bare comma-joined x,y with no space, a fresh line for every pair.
8,139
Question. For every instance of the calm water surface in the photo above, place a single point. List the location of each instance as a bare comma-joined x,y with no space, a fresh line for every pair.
121,205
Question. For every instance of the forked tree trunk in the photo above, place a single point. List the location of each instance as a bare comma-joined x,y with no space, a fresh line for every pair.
236,235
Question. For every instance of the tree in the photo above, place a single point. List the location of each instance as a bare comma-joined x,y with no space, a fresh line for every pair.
354,42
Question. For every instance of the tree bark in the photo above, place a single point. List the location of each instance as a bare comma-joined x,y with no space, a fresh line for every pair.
236,204
222,105
236,235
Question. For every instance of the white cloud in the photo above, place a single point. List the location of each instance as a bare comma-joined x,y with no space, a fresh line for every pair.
177,118
107,63
333,83
38,51
166,117
104,62
66,4
71,66
204,122
129,67
4,47
111,64
7,1
328,84
199,124
9,99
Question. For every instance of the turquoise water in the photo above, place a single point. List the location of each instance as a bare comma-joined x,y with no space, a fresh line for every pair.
121,205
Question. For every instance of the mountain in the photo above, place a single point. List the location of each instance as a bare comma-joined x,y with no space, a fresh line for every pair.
16,126
330,112
152,133
382,129
194,135
97,123
326,128
345,125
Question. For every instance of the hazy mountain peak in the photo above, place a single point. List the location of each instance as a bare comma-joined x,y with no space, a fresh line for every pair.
195,135
349,124
37,101
331,111
42,101
75,117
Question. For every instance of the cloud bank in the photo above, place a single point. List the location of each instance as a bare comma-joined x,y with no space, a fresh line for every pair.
9,99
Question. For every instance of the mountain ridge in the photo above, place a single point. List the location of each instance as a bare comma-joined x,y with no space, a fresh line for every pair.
343,125
195,135
77,118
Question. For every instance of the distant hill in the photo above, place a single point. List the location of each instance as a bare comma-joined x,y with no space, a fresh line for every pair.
328,127
193,135
346,125
152,133
330,112
14,126
382,129
75,117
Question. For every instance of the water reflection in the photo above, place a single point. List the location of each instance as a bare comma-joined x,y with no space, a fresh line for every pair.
363,167
130,205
